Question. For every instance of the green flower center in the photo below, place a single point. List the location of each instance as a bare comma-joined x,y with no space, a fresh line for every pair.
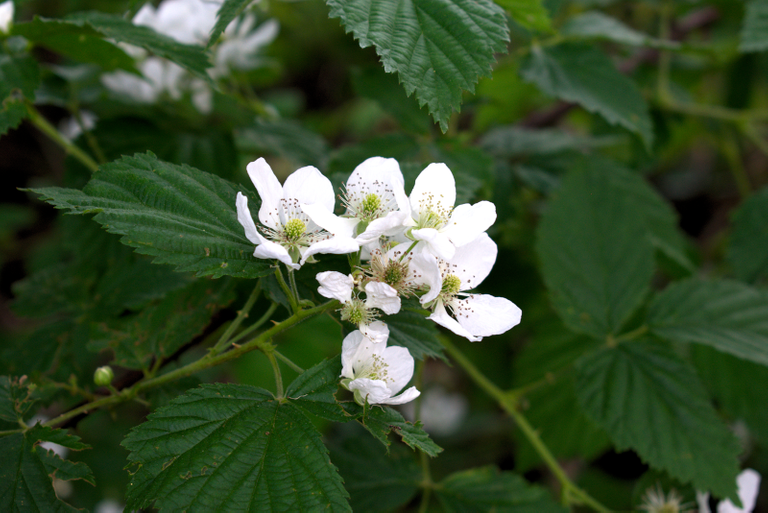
294,229
395,274
370,206
451,285
356,313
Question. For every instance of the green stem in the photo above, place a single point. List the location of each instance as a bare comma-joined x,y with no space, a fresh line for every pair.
631,335
410,248
264,318
44,126
294,288
221,344
426,472
287,361
730,148
751,133
286,290
269,351
570,490
203,363
89,138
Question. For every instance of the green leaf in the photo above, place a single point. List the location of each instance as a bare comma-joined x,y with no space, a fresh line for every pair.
231,448
78,42
393,484
530,14
228,11
727,315
315,389
19,78
438,47
192,58
754,31
647,399
26,470
161,329
415,332
596,259
583,74
486,489
748,249
595,24
285,138
380,421
15,399
513,141
182,216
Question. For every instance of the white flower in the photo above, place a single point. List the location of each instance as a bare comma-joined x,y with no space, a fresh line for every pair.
374,372
441,413
6,16
290,235
436,222
476,315
749,485
335,285
656,501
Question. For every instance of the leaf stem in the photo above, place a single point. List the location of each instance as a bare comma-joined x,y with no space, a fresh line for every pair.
256,325
203,363
44,126
571,492
286,290
269,350
221,344
287,361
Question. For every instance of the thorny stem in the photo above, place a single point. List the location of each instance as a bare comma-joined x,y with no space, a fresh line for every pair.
203,363
44,126
221,344
571,493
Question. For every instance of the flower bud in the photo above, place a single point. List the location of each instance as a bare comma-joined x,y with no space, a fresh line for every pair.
103,376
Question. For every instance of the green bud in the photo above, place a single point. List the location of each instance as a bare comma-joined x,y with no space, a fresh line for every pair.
103,376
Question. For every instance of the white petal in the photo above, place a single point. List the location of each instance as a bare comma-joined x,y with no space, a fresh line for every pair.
334,245
308,185
388,225
6,15
382,296
376,331
356,351
399,367
484,315
427,271
441,317
245,219
436,243
374,391
268,249
406,397
473,262
376,169
469,221
749,484
270,191
335,285
436,186
330,222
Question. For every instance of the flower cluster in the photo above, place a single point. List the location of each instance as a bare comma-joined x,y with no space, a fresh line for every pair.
189,22
420,246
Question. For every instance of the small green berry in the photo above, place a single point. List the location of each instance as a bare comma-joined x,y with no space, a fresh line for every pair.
103,376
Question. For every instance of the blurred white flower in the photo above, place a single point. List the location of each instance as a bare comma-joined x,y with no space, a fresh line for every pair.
472,316
436,222
70,128
108,506
6,16
374,372
656,501
290,236
441,412
748,483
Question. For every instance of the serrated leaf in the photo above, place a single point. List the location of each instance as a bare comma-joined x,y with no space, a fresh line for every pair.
192,58
81,43
727,315
26,470
314,390
161,329
596,259
438,47
416,333
19,78
228,11
487,489
180,215
393,484
380,421
529,13
595,24
583,74
57,436
754,31
748,248
15,399
233,448
646,398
